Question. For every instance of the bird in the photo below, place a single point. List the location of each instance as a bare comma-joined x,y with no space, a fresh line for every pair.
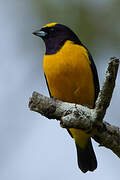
71,76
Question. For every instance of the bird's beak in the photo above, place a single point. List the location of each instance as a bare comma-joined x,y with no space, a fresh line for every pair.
40,33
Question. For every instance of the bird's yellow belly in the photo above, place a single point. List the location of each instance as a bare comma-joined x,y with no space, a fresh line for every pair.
69,80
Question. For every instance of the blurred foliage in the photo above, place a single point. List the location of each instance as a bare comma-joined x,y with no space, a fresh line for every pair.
96,22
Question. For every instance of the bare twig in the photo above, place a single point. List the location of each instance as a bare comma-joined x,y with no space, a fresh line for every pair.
81,117
105,95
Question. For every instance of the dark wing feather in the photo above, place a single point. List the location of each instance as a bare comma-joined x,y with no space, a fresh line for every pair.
47,85
95,76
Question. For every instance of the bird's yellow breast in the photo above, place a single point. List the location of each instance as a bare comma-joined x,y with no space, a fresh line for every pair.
69,74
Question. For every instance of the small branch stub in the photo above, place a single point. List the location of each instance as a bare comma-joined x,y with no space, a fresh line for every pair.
106,92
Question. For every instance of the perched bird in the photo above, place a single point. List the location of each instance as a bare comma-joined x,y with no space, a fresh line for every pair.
71,76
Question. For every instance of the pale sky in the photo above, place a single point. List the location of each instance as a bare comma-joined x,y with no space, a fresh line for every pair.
32,147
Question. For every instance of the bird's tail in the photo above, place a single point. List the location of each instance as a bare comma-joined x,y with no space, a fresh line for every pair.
86,158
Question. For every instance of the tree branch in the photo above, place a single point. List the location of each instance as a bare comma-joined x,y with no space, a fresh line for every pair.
80,117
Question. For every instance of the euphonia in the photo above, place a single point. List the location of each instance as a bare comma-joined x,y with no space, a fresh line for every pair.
71,76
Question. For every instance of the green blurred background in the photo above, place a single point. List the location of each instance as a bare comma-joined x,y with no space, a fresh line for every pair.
32,147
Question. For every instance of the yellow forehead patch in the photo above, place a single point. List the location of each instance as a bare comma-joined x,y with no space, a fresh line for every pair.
50,25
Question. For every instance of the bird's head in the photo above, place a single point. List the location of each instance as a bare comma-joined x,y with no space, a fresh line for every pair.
55,35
